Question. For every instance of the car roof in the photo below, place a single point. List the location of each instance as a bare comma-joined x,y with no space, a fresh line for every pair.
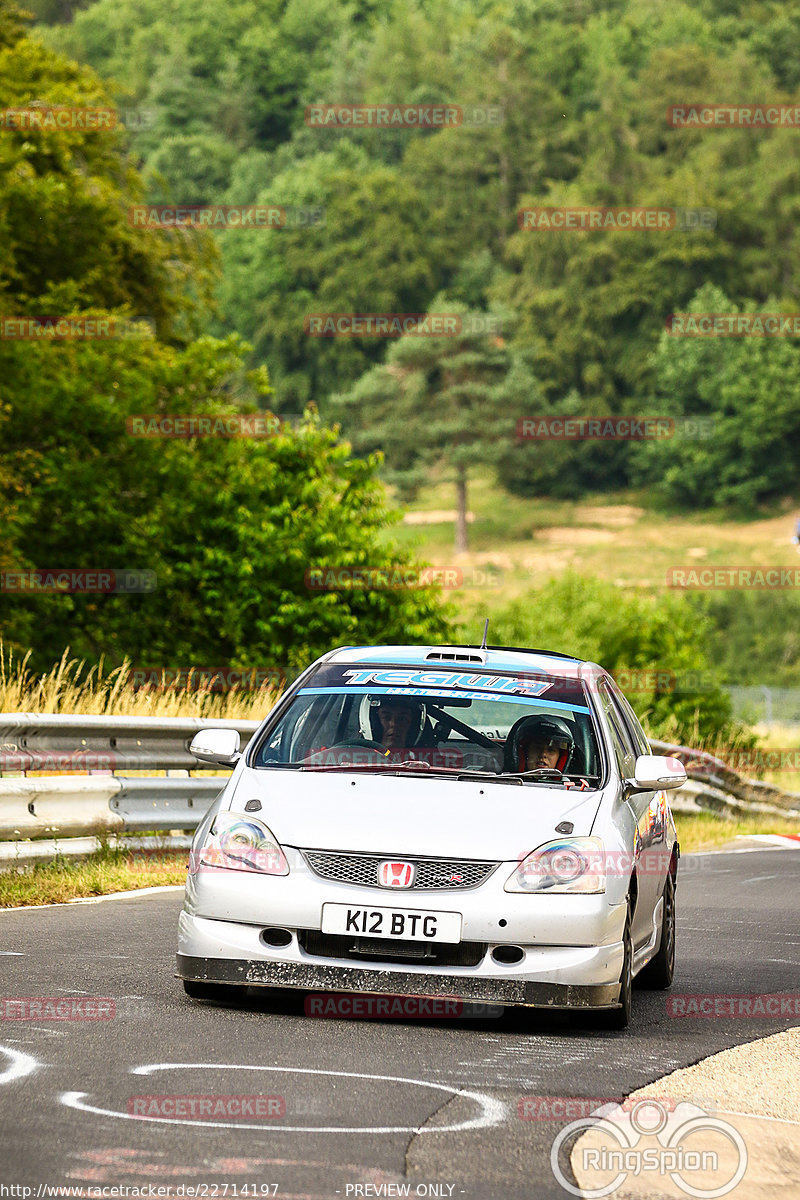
495,658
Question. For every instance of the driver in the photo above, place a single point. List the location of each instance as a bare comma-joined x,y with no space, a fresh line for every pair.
542,742
397,721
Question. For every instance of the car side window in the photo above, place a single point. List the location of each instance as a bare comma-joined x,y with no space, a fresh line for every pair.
631,721
620,737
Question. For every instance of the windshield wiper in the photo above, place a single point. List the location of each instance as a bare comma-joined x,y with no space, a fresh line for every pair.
553,775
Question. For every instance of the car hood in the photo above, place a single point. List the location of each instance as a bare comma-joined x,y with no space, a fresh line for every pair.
396,815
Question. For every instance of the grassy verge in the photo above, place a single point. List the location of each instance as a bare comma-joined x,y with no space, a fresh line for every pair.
118,870
105,872
705,831
74,687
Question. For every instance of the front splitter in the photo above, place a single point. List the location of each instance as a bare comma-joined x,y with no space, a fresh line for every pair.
328,978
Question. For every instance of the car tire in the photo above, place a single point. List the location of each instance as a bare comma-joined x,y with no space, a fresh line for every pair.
619,1018
198,989
660,970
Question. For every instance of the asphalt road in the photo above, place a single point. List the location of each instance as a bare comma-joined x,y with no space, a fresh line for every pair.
370,1106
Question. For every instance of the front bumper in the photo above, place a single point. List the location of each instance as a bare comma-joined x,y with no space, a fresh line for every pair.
330,977
549,976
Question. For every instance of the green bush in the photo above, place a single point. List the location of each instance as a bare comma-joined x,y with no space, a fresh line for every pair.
639,638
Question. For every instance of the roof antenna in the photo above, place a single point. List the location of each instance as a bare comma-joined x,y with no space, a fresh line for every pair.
483,645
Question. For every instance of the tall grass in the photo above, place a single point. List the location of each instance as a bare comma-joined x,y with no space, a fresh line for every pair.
73,686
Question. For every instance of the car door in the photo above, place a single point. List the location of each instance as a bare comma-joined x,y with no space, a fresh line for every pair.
640,805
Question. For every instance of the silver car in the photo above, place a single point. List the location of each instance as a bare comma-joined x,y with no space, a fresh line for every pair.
446,821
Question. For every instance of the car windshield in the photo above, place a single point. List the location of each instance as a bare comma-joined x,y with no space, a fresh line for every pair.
384,718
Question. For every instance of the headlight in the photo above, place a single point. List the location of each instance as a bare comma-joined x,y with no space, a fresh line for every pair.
568,865
241,844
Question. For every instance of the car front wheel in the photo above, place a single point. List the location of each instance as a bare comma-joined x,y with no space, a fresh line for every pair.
619,1018
660,970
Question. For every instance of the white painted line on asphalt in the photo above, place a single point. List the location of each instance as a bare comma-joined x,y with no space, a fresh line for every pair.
148,891
493,1112
20,1065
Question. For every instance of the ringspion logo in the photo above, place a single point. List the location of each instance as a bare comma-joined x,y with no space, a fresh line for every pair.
652,1141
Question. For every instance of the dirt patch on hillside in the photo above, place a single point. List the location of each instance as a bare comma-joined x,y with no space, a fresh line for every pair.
618,515
569,535
436,516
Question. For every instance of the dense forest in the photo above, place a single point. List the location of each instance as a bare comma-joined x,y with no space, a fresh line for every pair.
575,97
563,104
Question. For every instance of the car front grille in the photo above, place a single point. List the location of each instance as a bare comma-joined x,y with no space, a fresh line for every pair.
431,874
441,954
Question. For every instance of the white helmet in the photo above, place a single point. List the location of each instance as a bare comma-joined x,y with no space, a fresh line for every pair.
369,721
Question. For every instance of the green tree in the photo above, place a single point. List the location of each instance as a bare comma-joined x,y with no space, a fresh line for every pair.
658,642
743,452
231,527
440,403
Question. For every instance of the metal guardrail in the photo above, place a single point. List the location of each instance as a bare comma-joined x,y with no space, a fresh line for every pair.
61,742
713,786
67,806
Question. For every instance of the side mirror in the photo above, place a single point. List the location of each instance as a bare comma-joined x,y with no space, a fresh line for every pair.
654,772
220,746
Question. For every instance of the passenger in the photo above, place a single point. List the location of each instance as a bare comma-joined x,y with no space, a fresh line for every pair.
537,742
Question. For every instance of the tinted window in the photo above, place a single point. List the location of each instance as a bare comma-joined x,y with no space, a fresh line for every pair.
448,718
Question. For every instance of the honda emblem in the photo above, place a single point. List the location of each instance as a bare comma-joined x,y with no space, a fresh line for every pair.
396,874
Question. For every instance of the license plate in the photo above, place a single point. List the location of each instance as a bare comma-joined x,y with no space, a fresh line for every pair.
409,924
